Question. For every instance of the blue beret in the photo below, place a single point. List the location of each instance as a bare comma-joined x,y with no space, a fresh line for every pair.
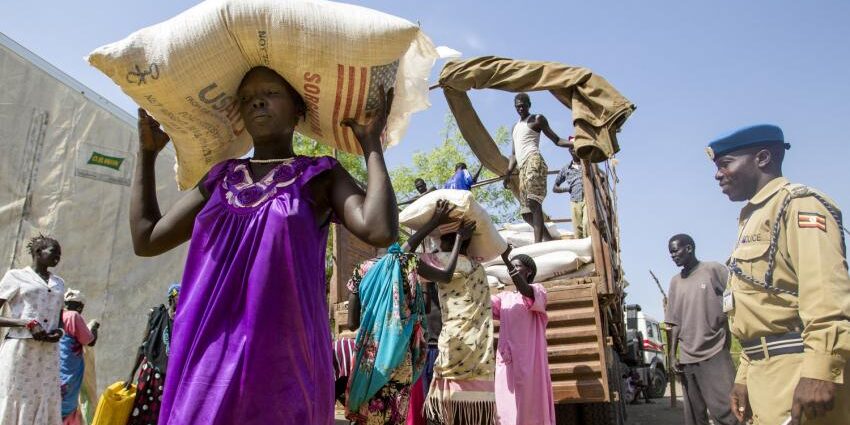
761,134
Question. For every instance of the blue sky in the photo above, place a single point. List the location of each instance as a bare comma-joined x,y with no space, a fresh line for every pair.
694,70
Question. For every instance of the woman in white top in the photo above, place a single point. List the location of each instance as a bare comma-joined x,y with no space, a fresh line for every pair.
532,167
29,355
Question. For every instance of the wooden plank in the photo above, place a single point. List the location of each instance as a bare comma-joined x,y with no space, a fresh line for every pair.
348,252
571,333
583,391
573,350
575,368
593,218
601,343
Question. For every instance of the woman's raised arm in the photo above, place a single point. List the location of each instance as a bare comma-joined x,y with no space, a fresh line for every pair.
154,233
371,215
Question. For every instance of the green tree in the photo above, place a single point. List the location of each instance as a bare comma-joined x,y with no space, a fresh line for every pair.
438,165
351,162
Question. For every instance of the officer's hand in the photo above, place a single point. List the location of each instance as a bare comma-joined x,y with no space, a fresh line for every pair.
812,397
741,403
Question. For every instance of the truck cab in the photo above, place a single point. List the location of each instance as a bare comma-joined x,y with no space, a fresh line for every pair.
646,349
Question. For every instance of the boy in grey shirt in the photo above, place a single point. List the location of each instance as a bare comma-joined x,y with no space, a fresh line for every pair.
700,334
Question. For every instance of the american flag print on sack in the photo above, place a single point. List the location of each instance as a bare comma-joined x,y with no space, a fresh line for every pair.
357,91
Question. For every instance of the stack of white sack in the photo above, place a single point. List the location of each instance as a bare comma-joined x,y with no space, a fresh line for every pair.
522,234
554,259
486,244
185,71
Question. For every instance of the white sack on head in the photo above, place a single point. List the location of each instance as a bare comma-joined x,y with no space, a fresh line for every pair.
185,71
486,242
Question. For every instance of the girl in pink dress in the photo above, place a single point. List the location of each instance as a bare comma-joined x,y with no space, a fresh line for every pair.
523,385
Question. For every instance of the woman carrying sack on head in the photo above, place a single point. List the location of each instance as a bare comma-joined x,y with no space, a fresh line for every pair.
250,341
72,363
388,305
462,391
29,355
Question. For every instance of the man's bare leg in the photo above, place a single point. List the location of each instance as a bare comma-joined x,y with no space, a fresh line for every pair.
541,233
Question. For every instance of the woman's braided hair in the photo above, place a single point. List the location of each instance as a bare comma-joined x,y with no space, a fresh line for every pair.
40,242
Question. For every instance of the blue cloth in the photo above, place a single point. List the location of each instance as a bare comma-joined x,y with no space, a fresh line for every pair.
386,328
572,177
745,137
428,373
462,180
71,368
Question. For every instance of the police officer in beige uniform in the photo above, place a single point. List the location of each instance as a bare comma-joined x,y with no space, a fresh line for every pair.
789,291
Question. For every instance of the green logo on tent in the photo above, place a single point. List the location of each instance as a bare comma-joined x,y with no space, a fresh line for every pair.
106,161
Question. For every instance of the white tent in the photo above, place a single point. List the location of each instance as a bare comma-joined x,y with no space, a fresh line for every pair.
68,156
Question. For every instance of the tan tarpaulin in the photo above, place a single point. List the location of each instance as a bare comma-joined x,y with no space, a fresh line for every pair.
599,110
65,171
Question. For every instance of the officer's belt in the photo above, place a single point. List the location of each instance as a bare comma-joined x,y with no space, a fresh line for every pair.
773,345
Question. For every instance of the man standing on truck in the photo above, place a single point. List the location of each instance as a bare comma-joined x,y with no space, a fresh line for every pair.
789,292
569,180
532,167
699,334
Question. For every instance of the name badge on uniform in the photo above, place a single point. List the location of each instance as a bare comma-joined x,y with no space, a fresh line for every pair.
728,300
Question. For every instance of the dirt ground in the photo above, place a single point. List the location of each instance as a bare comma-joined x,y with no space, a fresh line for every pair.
657,413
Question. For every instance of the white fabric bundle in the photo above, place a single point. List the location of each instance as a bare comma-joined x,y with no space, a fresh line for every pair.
486,243
185,71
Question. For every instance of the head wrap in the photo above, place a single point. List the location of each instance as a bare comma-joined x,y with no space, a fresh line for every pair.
72,295
173,290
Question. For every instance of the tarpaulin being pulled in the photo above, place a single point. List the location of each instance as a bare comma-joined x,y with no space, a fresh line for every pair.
599,110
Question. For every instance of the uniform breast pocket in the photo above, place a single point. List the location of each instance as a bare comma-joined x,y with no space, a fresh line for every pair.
751,258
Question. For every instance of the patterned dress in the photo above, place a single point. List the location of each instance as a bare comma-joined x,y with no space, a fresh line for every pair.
462,389
29,369
151,380
390,405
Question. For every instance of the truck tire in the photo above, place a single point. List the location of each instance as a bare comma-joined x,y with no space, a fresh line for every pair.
613,412
567,414
658,383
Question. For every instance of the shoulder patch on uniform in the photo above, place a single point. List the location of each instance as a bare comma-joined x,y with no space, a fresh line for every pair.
811,220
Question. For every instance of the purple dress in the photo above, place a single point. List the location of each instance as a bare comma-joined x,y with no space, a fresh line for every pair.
251,341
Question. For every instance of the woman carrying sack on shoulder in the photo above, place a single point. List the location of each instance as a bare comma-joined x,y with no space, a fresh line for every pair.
388,305
251,337
29,355
153,359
